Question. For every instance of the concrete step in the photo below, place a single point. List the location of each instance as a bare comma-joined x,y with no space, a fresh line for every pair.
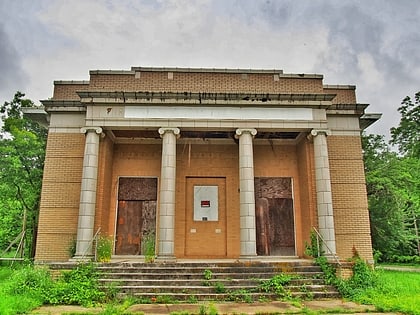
164,275
237,296
224,281
201,282
199,270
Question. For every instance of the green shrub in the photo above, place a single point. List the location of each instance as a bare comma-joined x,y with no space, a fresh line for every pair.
79,286
207,275
276,284
104,248
328,270
240,295
148,247
415,260
219,287
314,248
364,277
23,289
31,281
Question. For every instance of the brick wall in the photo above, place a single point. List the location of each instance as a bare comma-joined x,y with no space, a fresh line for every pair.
67,91
60,196
204,82
307,191
343,96
208,160
351,214
103,195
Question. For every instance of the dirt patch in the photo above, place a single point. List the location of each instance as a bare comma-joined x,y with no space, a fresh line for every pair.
333,306
66,309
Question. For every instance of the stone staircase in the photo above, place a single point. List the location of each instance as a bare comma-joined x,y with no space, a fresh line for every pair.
221,281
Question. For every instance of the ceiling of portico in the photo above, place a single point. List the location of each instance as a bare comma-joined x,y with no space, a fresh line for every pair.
208,134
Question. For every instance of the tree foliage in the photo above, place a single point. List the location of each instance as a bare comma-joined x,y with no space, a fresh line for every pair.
22,152
393,186
407,135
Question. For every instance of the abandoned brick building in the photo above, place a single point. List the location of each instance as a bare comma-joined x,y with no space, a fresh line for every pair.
209,163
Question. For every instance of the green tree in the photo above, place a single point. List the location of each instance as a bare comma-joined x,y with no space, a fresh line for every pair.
388,222
393,184
22,152
407,138
407,135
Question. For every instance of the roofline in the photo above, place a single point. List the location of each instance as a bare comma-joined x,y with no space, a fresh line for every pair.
369,119
206,96
69,82
339,86
208,70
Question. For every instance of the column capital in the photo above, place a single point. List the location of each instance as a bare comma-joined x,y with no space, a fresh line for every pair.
164,130
239,132
315,132
98,130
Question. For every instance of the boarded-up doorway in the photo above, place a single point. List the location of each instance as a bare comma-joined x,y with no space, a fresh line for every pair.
136,218
205,221
275,225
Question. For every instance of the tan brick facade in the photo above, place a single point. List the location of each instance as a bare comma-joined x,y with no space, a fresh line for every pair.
349,196
207,153
204,82
60,196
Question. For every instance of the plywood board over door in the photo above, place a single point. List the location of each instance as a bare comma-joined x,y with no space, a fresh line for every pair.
274,213
136,217
205,235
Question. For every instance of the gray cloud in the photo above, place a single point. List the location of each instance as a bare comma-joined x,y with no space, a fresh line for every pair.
373,44
12,76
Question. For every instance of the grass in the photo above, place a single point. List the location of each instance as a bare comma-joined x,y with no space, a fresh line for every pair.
24,288
397,291
411,266
21,288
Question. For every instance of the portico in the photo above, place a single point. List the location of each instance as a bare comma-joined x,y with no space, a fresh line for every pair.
234,126
220,174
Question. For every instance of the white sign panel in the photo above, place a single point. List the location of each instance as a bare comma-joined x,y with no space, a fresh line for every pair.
218,113
206,206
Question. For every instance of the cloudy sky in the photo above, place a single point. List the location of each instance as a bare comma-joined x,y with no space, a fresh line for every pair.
373,44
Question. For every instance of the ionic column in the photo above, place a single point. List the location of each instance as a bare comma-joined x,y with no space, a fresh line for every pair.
247,195
88,193
167,193
323,191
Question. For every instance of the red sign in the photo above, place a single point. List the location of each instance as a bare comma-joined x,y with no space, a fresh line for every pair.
205,203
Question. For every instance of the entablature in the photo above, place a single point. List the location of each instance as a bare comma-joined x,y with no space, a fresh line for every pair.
211,99
63,106
347,109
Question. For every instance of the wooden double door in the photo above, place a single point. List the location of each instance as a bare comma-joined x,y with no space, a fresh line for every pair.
136,215
274,214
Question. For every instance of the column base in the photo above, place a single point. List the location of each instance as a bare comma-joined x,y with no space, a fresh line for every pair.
165,258
244,258
332,258
85,258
